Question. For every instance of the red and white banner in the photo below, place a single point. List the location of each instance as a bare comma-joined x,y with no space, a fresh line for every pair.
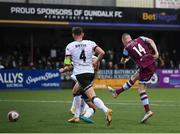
175,4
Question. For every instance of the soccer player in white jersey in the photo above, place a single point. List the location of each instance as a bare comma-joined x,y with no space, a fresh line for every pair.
80,53
81,105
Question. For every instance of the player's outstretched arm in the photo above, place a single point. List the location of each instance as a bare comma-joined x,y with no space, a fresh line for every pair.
153,45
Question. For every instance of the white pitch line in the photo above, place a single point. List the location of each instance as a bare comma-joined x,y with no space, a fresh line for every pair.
110,103
35,101
156,101
139,104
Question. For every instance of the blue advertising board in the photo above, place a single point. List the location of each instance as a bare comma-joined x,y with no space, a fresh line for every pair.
29,79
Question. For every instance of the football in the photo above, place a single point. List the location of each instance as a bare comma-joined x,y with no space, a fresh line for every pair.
13,116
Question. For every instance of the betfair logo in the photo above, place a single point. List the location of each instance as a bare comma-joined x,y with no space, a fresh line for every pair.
163,16
148,16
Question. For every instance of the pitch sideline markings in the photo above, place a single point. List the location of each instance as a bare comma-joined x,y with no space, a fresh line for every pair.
110,103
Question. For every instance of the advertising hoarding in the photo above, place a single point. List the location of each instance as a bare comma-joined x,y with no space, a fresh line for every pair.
29,79
89,16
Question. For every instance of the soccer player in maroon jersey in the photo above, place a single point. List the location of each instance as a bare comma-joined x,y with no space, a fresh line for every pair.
139,51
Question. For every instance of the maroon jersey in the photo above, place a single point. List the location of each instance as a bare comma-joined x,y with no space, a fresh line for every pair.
138,50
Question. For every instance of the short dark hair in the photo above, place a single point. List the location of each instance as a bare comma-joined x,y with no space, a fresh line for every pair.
77,30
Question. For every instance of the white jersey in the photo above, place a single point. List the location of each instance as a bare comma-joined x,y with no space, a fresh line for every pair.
81,53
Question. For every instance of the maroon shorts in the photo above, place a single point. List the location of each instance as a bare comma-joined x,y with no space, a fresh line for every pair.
145,74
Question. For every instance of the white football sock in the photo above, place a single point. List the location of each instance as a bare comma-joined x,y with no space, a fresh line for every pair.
99,103
77,106
84,106
73,102
89,113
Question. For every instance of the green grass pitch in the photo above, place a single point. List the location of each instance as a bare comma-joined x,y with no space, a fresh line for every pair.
48,111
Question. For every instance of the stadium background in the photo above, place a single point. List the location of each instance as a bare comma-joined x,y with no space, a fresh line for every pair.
32,47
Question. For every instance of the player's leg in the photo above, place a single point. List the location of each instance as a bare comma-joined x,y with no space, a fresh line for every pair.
87,115
89,111
80,107
75,96
76,104
99,104
145,101
144,97
85,81
144,77
126,86
75,93
84,107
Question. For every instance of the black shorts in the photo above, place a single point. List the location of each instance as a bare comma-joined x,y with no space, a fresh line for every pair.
84,97
85,80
